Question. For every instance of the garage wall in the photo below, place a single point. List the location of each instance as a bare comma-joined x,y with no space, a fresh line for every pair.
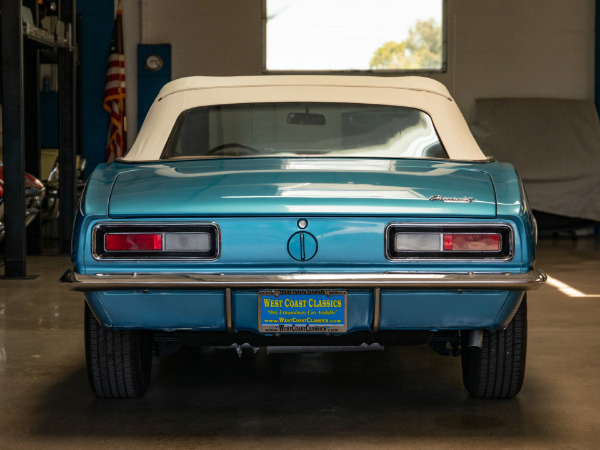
208,37
518,48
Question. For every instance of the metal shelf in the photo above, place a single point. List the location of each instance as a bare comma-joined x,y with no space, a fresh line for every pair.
21,48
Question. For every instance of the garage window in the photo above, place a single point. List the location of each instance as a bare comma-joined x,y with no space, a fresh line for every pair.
354,35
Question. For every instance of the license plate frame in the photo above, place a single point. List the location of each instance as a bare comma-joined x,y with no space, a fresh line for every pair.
302,311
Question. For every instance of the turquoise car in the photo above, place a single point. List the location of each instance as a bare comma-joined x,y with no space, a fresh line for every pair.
304,211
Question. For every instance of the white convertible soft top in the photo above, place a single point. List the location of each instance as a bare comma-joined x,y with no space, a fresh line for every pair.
421,93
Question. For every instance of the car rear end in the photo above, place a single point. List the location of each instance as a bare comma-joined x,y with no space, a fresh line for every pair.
239,236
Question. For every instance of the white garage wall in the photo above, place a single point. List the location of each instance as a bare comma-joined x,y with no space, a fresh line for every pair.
516,48
520,48
208,37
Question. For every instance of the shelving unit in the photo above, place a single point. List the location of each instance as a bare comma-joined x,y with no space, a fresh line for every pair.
21,48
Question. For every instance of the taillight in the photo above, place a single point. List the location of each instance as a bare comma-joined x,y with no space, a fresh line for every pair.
448,241
157,241
124,242
485,242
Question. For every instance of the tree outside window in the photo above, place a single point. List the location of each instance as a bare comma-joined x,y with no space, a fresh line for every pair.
354,35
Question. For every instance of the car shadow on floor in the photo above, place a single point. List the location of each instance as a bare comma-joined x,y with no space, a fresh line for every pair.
402,392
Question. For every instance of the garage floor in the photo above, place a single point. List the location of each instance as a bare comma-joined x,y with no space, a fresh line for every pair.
403,397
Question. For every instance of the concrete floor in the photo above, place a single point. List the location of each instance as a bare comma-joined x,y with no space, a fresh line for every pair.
403,397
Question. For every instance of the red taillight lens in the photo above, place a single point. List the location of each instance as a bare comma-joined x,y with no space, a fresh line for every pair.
472,242
132,242
447,242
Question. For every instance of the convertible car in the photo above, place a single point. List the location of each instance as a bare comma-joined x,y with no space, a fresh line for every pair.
304,211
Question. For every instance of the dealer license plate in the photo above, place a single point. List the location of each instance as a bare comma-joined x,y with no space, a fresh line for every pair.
302,311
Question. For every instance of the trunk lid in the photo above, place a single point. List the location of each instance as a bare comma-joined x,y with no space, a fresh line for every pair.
255,186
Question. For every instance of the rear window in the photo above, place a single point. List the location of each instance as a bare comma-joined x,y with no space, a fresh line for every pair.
303,129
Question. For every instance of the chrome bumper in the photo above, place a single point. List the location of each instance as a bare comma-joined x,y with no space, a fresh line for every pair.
389,280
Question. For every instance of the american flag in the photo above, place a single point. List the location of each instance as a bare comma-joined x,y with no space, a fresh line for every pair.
114,93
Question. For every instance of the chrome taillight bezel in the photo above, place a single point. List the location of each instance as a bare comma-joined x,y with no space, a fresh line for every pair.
506,252
100,230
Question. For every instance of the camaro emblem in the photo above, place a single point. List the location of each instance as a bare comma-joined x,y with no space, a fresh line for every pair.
439,198
302,246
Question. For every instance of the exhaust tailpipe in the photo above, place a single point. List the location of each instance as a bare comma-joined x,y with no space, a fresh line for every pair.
475,338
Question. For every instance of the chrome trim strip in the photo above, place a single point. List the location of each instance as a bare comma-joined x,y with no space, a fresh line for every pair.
389,280
488,159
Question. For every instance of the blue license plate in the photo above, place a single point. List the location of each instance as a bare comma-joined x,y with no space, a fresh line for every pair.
302,311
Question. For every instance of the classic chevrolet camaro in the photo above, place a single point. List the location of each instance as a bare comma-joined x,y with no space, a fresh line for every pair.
304,211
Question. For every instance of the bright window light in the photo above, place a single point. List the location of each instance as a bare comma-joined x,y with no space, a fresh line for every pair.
568,290
354,35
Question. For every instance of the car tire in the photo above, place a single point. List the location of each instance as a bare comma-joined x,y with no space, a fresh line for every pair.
496,370
118,362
